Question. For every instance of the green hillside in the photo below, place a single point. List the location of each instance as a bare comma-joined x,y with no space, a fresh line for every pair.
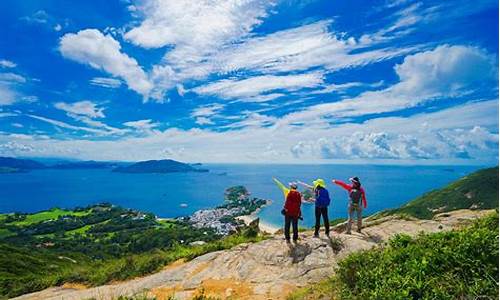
459,264
478,190
95,245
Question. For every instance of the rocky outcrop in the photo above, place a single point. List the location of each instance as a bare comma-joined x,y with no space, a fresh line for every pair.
266,270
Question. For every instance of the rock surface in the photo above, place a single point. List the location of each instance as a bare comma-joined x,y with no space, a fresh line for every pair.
266,270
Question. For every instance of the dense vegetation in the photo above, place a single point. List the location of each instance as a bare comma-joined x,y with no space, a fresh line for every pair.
94,245
460,264
238,196
478,190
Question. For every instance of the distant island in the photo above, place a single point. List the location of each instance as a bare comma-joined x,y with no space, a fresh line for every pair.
90,164
158,166
19,165
16,165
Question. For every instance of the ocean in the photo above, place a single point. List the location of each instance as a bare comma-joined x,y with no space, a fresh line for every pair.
173,195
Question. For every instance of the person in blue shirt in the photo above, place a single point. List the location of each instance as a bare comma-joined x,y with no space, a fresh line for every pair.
322,201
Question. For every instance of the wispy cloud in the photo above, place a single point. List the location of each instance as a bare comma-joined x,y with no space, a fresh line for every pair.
446,71
254,86
432,136
7,64
106,82
83,108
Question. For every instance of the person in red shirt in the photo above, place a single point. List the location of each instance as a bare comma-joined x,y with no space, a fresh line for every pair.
292,212
356,196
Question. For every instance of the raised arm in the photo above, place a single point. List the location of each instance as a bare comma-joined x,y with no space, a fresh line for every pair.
281,186
305,185
342,184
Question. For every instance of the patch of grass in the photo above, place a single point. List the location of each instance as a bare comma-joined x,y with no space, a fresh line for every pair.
167,223
52,214
5,233
337,221
82,230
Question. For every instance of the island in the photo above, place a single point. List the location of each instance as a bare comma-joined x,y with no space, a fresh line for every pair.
17,165
158,166
89,164
224,218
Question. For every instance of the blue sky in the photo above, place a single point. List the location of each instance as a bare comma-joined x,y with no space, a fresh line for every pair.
250,81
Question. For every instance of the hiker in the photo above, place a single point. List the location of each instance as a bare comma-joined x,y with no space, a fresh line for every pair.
291,209
322,201
356,195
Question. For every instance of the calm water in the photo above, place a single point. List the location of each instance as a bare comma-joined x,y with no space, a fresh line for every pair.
162,194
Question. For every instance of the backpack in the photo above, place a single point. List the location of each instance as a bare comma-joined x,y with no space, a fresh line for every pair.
355,197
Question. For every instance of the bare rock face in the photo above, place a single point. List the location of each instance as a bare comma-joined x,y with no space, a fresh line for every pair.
266,270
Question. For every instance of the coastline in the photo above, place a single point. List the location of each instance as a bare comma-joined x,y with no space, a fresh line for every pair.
263,226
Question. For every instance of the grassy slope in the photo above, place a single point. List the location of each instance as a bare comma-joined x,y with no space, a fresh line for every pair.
23,270
479,189
48,215
461,264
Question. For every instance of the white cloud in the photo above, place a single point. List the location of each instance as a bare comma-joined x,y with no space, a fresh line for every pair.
438,137
446,71
194,27
103,52
7,95
111,83
7,64
207,110
83,108
203,121
300,48
144,125
57,27
11,78
40,16
257,85
66,125
203,114
86,112
9,89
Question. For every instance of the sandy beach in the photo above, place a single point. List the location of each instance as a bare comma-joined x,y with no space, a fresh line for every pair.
263,226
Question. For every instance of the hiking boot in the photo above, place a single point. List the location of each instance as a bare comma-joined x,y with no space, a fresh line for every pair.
287,241
348,232
359,230
316,235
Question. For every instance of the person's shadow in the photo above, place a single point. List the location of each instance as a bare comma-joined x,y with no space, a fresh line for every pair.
298,252
335,243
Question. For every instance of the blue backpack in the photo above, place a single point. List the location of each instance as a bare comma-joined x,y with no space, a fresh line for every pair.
322,197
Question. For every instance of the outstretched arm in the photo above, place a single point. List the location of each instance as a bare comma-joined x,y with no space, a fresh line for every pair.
342,184
305,185
281,186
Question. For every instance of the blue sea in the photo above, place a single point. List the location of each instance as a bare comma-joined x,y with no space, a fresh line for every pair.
163,194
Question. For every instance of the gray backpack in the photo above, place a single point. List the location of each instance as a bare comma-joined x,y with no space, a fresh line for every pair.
355,197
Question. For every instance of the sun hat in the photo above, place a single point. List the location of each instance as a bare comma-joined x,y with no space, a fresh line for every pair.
319,182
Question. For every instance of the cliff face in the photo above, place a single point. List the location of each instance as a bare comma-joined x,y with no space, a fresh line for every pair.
266,270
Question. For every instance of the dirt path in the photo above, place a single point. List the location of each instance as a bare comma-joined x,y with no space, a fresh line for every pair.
266,270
